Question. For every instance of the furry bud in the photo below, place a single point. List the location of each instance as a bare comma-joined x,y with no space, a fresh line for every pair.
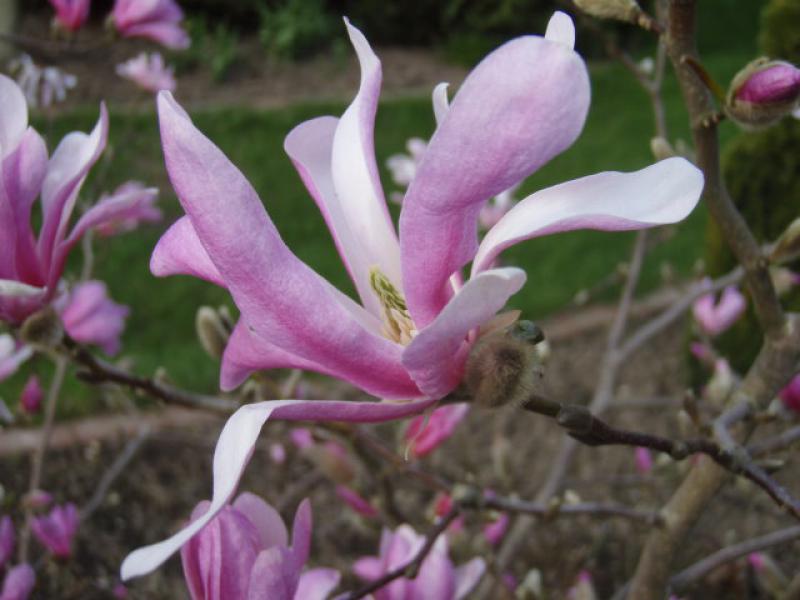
212,331
620,10
43,329
763,92
788,246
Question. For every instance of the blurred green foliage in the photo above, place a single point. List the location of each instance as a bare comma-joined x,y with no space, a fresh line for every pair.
780,30
297,29
215,46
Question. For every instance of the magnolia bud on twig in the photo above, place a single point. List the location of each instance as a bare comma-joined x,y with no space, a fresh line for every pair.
43,329
620,10
763,92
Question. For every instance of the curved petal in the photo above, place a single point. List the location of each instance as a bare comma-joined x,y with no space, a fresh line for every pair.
337,162
66,171
235,447
13,117
180,252
436,578
561,29
301,534
281,299
435,357
169,35
662,193
467,577
266,520
440,102
522,105
317,584
271,578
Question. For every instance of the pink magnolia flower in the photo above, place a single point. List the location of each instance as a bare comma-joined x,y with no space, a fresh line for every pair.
409,338
356,501
146,210
644,460
149,72
157,20
91,317
71,14
244,554
277,453
18,583
438,578
32,394
716,317
42,86
56,530
495,531
790,395
7,539
772,82
31,266
425,433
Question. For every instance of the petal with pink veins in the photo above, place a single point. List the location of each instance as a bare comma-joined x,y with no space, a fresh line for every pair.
435,357
180,252
317,584
665,192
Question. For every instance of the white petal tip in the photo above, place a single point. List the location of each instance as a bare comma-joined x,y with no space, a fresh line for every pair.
561,29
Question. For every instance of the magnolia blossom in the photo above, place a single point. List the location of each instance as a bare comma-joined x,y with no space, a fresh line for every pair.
408,339
148,71
790,395
146,211
71,14
716,317
425,433
56,530
244,554
7,539
31,266
41,86
158,20
356,501
91,317
438,578
32,394
18,583
403,168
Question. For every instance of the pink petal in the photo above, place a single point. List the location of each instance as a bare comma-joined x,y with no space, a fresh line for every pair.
235,447
467,577
436,579
13,117
266,520
662,193
18,582
317,584
561,29
66,172
368,568
180,252
272,576
435,357
440,102
168,35
522,105
426,433
281,299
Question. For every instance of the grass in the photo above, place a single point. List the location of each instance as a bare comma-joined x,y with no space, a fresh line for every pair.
160,330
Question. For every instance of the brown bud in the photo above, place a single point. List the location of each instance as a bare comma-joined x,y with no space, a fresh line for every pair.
502,366
762,93
661,148
211,331
620,10
43,329
788,246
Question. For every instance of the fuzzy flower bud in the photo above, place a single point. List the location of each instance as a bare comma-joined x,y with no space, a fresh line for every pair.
42,329
621,10
30,401
211,331
763,92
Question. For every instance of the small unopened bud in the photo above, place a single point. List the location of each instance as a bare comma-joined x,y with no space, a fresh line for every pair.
42,330
788,246
30,401
211,331
783,280
620,10
531,587
763,92
661,148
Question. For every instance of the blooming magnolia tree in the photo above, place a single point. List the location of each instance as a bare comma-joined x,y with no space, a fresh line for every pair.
427,336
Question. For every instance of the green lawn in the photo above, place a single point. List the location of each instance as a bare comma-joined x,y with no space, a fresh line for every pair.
160,331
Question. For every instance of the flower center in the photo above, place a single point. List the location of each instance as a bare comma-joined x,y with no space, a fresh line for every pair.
397,323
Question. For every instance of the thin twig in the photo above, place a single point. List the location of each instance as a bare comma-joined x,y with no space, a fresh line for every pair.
41,451
685,578
114,471
779,442
411,569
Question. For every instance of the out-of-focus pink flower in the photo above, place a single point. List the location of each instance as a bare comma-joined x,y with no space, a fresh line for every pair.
438,578
120,592
702,353
509,581
7,539
18,583
495,531
157,20
357,502
410,337
41,86
756,560
302,438
30,401
56,530
148,71
583,588
425,433
790,395
443,504
31,266
644,460
91,317
71,14
244,553
716,317
37,500
12,355
277,453
146,210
